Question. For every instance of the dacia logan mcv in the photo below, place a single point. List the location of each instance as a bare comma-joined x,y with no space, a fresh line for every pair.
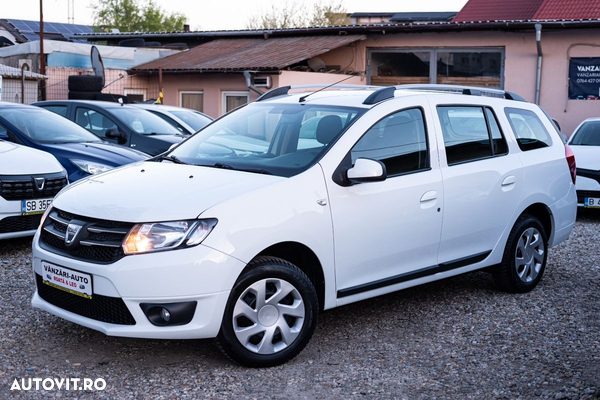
302,202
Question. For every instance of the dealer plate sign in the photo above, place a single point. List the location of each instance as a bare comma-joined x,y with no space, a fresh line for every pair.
68,280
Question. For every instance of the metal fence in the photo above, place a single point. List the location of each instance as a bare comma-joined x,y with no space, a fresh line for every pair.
118,82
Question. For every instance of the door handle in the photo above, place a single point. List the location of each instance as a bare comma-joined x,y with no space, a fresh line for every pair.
509,180
508,183
429,196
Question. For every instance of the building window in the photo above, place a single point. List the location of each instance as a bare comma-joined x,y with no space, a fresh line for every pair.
399,68
135,95
232,100
467,67
192,100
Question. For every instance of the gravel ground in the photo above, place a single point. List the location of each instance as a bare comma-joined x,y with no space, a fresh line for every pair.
455,339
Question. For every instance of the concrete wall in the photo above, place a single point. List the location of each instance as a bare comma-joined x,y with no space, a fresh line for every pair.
520,62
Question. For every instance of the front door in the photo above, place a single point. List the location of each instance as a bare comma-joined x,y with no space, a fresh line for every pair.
388,232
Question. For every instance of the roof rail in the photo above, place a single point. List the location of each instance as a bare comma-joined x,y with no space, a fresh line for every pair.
388,92
285,89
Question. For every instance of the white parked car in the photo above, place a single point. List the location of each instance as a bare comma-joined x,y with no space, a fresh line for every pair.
585,143
29,179
187,121
249,243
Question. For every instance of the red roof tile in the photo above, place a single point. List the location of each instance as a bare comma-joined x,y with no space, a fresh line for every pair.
250,54
498,10
568,9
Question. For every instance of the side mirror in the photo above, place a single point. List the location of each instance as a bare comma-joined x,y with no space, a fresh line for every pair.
115,134
367,170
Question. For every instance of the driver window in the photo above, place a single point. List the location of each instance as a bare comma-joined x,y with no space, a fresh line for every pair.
398,140
94,121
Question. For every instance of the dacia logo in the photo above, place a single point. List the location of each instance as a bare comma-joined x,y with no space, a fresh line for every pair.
72,231
39,183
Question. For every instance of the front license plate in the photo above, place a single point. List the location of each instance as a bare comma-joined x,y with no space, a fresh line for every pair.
592,202
30,207
68,280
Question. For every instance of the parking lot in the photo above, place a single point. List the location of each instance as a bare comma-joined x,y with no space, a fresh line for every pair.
459,338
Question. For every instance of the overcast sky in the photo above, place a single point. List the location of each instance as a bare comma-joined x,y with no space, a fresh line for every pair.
211,15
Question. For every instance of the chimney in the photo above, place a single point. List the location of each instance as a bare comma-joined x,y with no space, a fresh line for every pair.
186,28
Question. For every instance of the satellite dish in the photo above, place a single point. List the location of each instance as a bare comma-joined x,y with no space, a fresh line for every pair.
97,63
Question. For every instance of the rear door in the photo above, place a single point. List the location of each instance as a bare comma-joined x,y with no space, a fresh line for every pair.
483,181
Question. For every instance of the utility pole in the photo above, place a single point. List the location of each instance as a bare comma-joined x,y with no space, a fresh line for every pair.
71,10
42,60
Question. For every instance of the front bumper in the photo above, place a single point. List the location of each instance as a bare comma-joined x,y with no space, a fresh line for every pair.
12,223
198,274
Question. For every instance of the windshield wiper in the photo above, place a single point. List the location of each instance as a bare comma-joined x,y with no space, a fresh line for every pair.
171,158
253,170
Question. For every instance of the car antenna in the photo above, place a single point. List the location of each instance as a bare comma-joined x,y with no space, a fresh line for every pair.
301,100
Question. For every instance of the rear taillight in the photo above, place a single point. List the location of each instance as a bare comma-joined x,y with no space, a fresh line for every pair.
571,161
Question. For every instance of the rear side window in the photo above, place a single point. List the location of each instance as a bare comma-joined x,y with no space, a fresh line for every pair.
60,110
470,133
528,128
399,141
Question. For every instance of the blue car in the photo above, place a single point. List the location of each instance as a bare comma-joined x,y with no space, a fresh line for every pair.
80,152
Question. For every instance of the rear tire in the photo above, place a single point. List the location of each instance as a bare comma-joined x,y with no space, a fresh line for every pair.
525,255
271,314
83,95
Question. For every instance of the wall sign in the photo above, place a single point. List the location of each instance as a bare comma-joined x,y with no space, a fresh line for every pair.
584,78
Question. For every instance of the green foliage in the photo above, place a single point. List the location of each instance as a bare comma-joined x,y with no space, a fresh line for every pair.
295,15
135,16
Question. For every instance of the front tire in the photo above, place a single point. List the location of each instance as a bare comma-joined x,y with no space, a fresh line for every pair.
271,314
525,256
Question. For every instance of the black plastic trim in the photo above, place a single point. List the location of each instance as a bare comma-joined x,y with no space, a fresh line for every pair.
588,173
380,95
409,276
181,313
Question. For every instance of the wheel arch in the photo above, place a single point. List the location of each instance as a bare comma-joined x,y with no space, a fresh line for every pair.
544,214
304,258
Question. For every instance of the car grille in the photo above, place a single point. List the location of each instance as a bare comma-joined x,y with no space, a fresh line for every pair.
20,223
100,242
101,308
23,187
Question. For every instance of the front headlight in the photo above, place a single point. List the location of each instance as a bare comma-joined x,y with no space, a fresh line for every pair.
158,236
91,168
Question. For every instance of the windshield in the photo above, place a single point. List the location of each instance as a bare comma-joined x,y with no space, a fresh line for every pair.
277,139
143,122
44,126
196,120
587,135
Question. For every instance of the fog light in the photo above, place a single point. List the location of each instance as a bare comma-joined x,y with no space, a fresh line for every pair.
165,314
169,314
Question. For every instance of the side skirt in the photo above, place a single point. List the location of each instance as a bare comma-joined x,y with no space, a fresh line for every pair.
420,273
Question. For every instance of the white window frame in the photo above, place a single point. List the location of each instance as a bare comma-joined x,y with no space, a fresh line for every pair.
143,92
226,93
182,92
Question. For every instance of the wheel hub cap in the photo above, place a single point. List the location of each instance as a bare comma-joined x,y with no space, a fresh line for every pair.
268,315
529,255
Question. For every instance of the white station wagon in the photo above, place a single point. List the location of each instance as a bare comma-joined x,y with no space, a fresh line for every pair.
254,225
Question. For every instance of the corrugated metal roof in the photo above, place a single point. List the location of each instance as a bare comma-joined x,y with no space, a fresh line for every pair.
250,53
569,9
12,72
494,10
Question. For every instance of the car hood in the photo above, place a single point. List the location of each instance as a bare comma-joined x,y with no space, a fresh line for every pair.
152,191
587,157
102,152
21,160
